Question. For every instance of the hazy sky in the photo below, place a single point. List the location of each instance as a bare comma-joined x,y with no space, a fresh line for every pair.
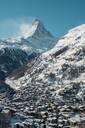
58,15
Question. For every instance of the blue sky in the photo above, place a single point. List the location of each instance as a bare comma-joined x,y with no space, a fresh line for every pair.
57,15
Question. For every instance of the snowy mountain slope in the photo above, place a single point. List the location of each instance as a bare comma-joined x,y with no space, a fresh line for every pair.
56,81
69,50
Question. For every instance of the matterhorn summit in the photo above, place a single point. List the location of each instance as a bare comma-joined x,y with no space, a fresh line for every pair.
33,36
38,37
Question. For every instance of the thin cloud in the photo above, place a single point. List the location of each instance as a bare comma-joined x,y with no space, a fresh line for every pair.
14,27
24,29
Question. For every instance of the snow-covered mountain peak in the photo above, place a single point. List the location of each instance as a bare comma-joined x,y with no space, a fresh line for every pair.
36,28
33,29
37,22
34,36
